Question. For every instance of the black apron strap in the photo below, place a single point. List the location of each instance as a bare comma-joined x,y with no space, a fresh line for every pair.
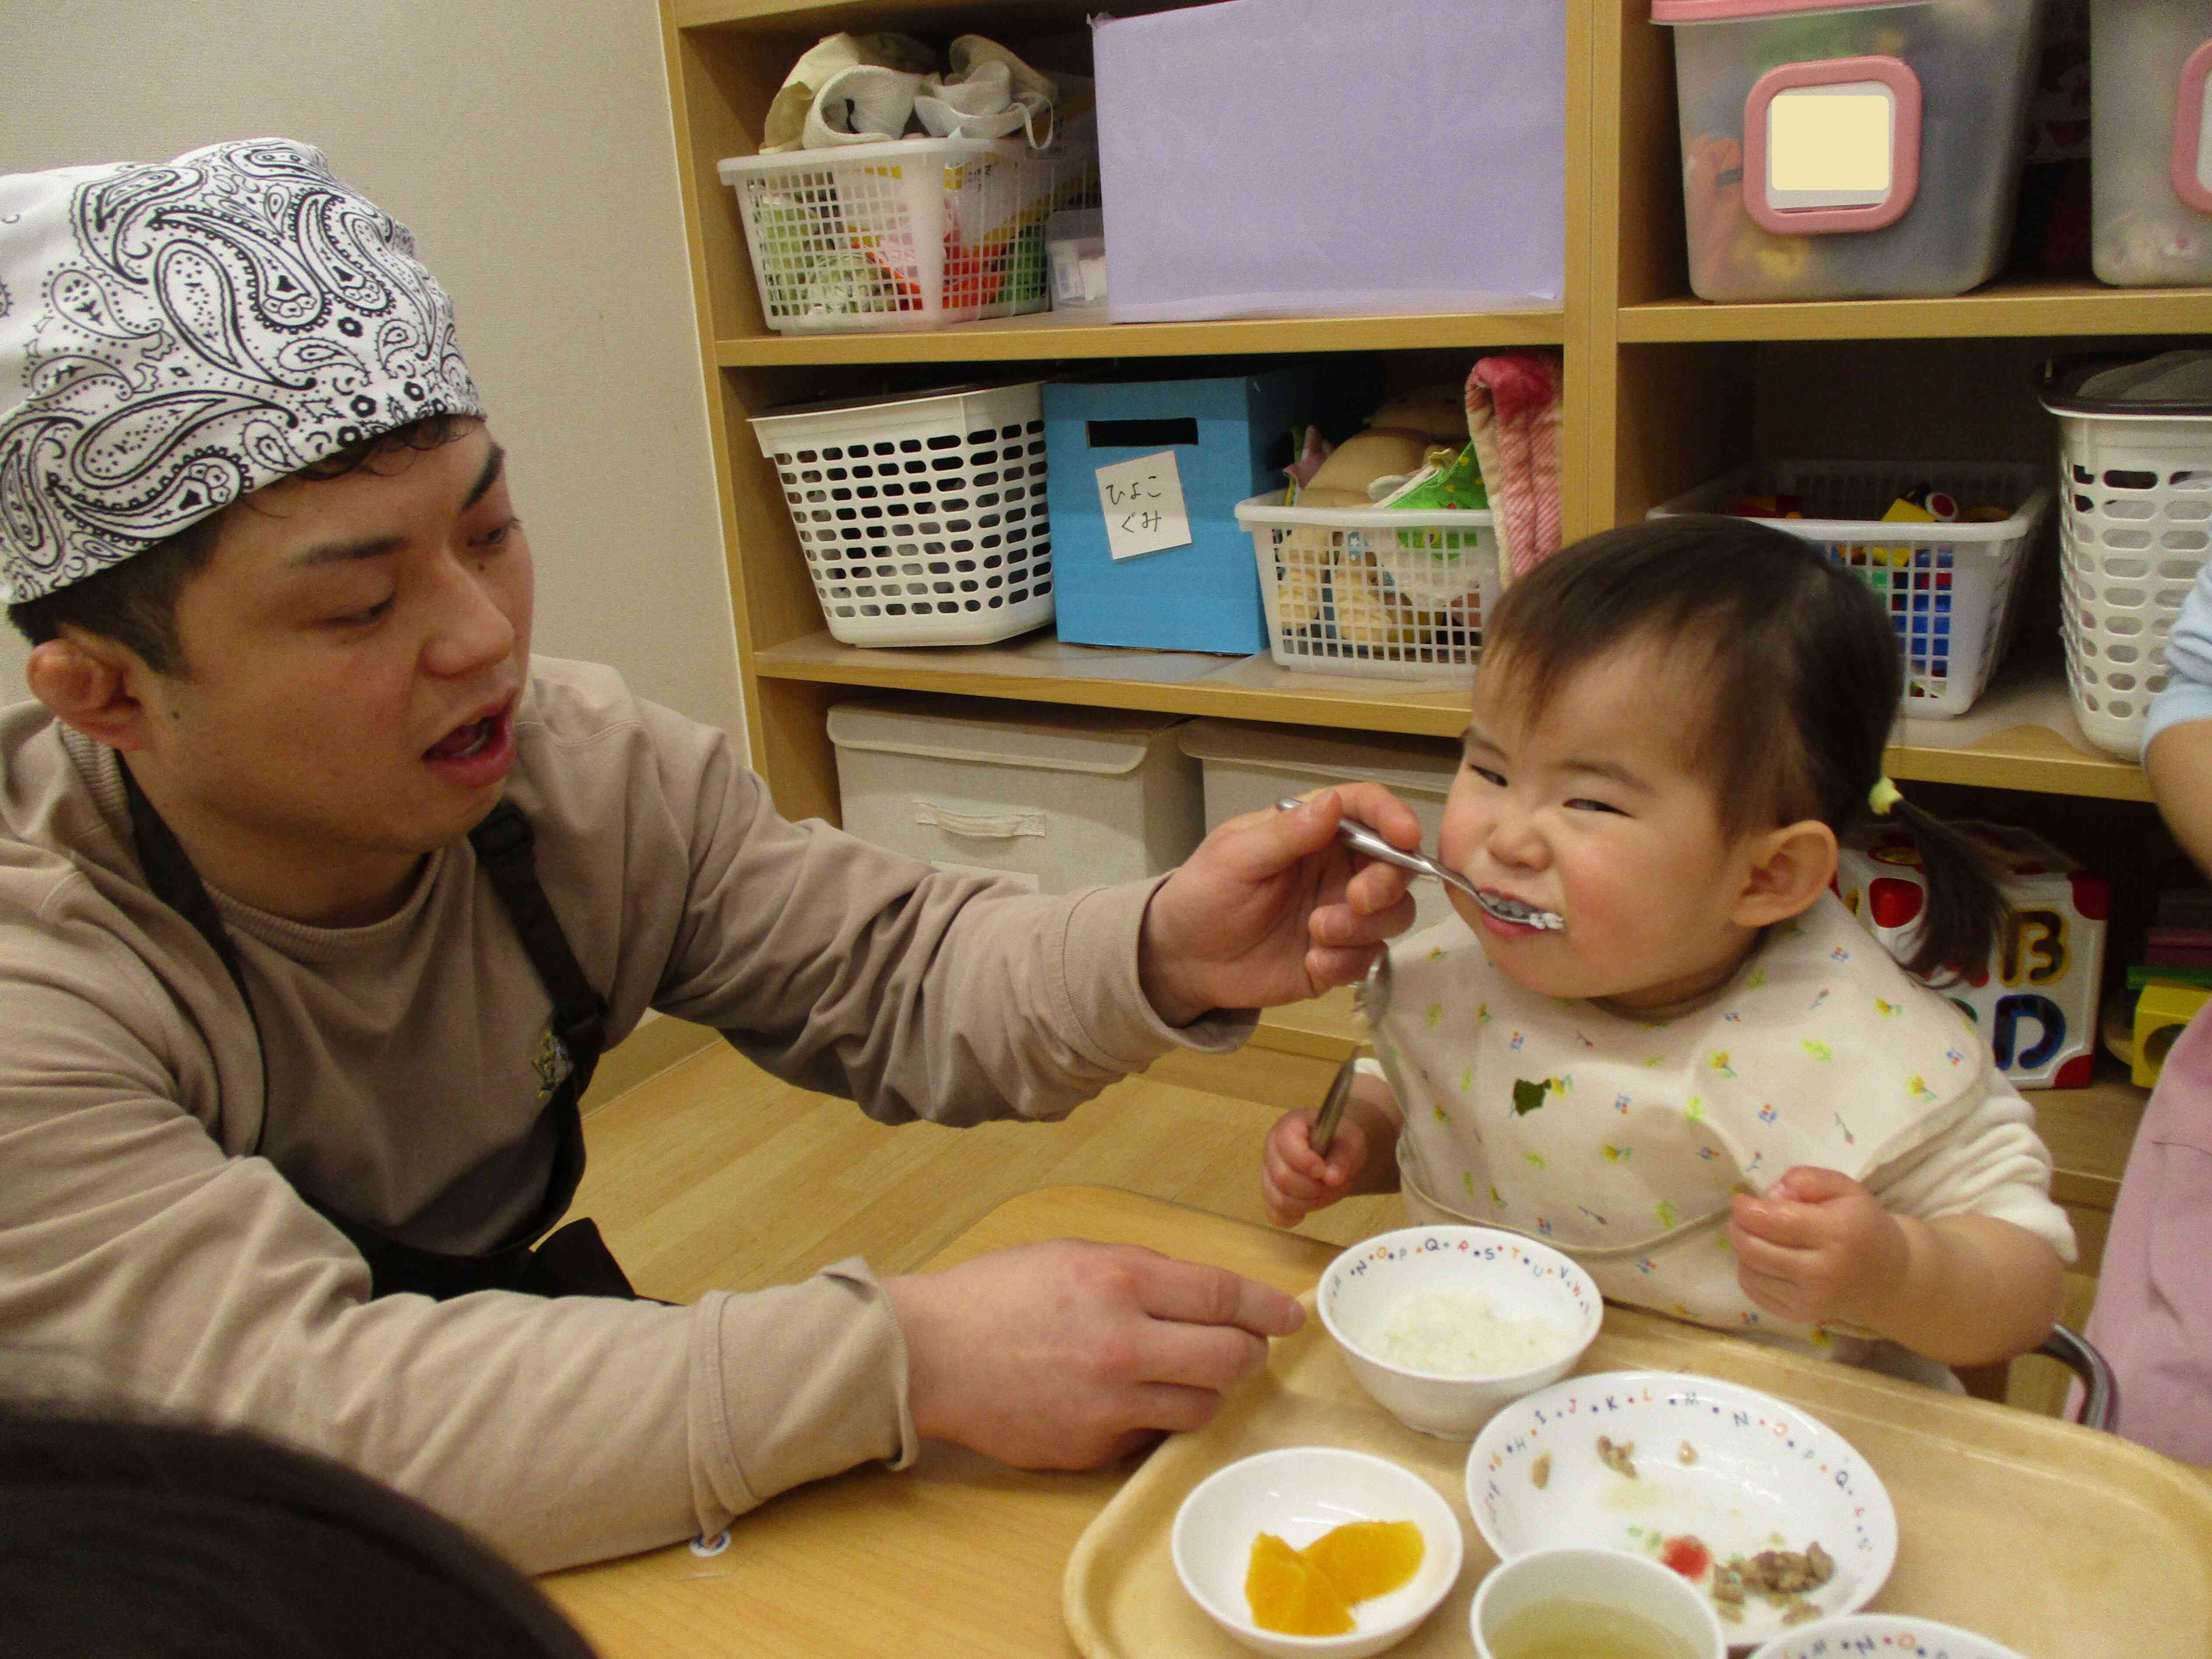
572,1261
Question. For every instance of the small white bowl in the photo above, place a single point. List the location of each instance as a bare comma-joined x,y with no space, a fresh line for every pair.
1300,1493
1519,1279
1628,1582
1890,1635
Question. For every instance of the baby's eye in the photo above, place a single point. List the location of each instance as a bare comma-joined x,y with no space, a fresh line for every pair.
1584,803
1496,780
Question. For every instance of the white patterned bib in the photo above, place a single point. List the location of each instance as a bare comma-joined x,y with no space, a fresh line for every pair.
1621,1139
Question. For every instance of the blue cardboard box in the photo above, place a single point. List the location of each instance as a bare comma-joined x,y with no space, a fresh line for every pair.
1228,440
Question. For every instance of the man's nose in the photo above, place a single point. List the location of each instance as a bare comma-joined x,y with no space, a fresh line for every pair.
472,629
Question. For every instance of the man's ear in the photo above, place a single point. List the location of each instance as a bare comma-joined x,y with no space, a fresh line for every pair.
91,684
1788,867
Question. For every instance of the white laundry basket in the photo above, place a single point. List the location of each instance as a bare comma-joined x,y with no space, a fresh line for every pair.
908,233
1382,591
922,518
1949,588
2135,467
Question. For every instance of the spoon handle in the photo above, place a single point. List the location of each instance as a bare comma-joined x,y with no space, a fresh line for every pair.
1325,1121
1362,840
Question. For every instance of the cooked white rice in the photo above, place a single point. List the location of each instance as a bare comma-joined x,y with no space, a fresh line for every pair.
1459,1333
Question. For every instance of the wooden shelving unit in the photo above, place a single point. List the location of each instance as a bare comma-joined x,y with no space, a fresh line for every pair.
1663,392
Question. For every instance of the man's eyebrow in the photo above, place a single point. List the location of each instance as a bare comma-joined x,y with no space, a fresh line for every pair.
494,464
376,547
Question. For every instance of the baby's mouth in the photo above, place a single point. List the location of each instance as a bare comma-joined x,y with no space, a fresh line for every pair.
1507,909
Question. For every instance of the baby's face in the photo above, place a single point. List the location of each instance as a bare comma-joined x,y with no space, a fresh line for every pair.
1589,814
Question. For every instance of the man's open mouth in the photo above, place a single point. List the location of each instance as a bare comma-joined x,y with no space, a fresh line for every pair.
1510,909
463,741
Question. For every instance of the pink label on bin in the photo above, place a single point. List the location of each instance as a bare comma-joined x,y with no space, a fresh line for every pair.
2192,132
1831,145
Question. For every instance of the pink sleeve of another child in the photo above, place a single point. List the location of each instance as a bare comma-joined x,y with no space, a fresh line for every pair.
2154,1314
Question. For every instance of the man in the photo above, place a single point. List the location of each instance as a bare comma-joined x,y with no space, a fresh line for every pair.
318,897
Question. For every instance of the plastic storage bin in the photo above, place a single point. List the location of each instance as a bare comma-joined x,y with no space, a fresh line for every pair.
908,233
922,518
1311,157
1839,151
1224,436
1062,800
1247,767
1949,587
2150,178
2136,468
1383,591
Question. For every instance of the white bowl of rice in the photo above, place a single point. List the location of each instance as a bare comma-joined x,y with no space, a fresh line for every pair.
1443,1326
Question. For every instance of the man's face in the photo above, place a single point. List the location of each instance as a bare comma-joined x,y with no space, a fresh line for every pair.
354,650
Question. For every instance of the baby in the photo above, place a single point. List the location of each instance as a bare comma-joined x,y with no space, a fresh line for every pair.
1657,1041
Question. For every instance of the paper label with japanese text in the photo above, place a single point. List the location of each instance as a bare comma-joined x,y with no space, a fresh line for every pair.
1143,502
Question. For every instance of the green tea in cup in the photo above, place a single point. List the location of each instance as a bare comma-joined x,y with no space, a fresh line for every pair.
1570,1629
1573,1602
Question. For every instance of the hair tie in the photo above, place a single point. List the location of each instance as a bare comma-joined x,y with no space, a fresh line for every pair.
1883,796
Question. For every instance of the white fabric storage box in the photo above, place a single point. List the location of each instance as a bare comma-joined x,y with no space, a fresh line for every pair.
1319,157
1249,768
1837,150
2150,168
1062,798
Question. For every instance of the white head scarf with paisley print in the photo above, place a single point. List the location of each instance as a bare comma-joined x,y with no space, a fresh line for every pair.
174,336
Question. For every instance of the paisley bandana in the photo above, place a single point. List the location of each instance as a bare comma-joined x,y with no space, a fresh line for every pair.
174,336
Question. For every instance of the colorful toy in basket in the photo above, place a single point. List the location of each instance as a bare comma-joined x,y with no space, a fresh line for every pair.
1949,587
2036,1001
1377,561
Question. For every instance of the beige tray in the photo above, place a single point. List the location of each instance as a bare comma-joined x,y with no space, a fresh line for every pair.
2060,1542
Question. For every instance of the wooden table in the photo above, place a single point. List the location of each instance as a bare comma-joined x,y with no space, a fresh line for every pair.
959,1555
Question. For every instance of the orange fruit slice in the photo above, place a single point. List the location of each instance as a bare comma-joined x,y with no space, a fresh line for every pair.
1364,1558
1289,1594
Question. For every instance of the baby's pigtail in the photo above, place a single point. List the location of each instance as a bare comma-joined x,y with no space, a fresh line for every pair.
1967,909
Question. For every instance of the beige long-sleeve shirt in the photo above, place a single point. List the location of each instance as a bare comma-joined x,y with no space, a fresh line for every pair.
154,1248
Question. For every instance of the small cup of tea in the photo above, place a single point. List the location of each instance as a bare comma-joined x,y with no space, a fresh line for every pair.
1577,1603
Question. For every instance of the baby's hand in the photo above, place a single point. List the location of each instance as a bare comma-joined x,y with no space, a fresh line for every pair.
1296,1179
1818,1247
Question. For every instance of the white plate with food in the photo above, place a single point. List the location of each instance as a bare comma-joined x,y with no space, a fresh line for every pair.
1769,1511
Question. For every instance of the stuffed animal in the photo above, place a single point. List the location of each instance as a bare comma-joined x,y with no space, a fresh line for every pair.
1395,437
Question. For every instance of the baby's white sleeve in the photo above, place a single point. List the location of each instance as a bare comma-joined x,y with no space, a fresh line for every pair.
1991,1162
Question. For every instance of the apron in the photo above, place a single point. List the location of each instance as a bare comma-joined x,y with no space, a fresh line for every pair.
572,1261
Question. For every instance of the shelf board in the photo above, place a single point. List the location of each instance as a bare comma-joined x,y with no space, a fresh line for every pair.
2021,735
1040,668
1047,334
2005,307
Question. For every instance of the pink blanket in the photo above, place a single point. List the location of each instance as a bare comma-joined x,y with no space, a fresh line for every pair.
1513,421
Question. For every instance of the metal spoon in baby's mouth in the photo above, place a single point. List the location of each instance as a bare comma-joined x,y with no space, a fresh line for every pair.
1363,839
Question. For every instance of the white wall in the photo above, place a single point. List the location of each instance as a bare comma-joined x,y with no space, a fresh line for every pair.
529,147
